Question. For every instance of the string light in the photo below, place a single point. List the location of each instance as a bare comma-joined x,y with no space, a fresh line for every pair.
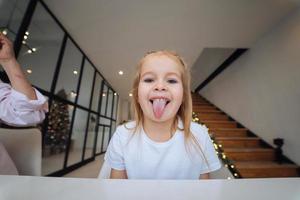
4,32
223,156
73,94
219,151
216,146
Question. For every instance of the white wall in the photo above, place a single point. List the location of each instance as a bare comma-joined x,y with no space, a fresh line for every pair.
123,111
208,61
261,89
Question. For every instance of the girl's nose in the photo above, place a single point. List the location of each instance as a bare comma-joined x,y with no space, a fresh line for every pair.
160,86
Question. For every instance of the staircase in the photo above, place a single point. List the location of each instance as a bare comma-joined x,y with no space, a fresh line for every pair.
249,155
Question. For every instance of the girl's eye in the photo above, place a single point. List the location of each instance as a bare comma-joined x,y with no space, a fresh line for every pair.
148,80
172,81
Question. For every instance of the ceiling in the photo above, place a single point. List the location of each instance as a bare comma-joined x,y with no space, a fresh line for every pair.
115,34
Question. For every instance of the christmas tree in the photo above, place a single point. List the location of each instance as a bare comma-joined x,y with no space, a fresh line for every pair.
57,135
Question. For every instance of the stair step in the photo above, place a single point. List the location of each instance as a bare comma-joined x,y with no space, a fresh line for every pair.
250,154
204,107
238,142
266,169
219,123
251,160
199,100
198,112
228,132
196,103
212,116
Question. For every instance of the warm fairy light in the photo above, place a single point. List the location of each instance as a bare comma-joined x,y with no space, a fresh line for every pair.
25,37
228,178
130,94
4,32
29,51
223,156
29,71
115,94
226,165
235,174
103,94
232,166
75,72
23,42
26,33
33,49
121,72
216,146
73,94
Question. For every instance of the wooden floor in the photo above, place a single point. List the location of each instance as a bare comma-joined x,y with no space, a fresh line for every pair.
251,158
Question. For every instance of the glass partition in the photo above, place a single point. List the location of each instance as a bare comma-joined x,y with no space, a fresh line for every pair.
69,71
82,105
90,138
109,103
11,16
104,121
106,138
99,139
115,106
56,136
104,99
40,48
96,93
86,84
77,138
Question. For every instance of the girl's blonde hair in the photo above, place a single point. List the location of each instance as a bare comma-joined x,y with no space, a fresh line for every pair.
185,110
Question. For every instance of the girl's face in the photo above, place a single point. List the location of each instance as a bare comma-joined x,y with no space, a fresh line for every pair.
160,89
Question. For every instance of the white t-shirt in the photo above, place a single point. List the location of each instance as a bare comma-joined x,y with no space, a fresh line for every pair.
143,158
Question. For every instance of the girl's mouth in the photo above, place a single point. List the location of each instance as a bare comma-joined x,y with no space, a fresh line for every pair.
158,105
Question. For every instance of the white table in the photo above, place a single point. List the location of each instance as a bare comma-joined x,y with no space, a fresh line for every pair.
44,188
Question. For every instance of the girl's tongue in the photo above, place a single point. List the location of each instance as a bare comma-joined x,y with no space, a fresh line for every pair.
159,106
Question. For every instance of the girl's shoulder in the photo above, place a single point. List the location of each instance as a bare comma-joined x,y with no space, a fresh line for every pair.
199,130
126,129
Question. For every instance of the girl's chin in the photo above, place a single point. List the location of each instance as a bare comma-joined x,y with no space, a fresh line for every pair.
162,118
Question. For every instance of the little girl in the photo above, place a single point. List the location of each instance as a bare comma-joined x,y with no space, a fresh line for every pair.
20,104
162,142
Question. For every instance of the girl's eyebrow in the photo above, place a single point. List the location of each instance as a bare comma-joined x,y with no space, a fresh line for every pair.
146,73
169,73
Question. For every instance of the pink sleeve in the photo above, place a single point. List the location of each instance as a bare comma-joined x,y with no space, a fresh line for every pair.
17,109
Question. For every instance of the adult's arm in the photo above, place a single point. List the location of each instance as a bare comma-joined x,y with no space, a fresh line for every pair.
118,174
13,69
